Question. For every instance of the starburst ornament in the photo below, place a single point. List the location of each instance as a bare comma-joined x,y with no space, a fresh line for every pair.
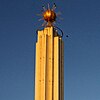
49,16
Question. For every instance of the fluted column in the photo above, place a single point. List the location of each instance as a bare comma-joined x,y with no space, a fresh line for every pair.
49,66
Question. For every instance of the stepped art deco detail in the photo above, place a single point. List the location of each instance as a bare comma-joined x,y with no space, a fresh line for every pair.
49,68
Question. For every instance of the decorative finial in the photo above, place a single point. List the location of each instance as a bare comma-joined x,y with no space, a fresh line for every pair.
48,15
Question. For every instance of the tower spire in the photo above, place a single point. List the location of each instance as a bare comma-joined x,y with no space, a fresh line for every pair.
49,73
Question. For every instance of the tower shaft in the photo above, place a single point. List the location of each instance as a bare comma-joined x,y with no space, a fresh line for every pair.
49,70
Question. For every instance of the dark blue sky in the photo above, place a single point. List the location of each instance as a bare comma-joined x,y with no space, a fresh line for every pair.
18,25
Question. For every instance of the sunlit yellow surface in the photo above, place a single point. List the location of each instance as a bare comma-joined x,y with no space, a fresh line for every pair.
49,72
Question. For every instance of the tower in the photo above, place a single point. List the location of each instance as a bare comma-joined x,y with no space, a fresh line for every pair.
49,69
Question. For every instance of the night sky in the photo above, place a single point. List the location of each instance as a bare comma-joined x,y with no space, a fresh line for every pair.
18,25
